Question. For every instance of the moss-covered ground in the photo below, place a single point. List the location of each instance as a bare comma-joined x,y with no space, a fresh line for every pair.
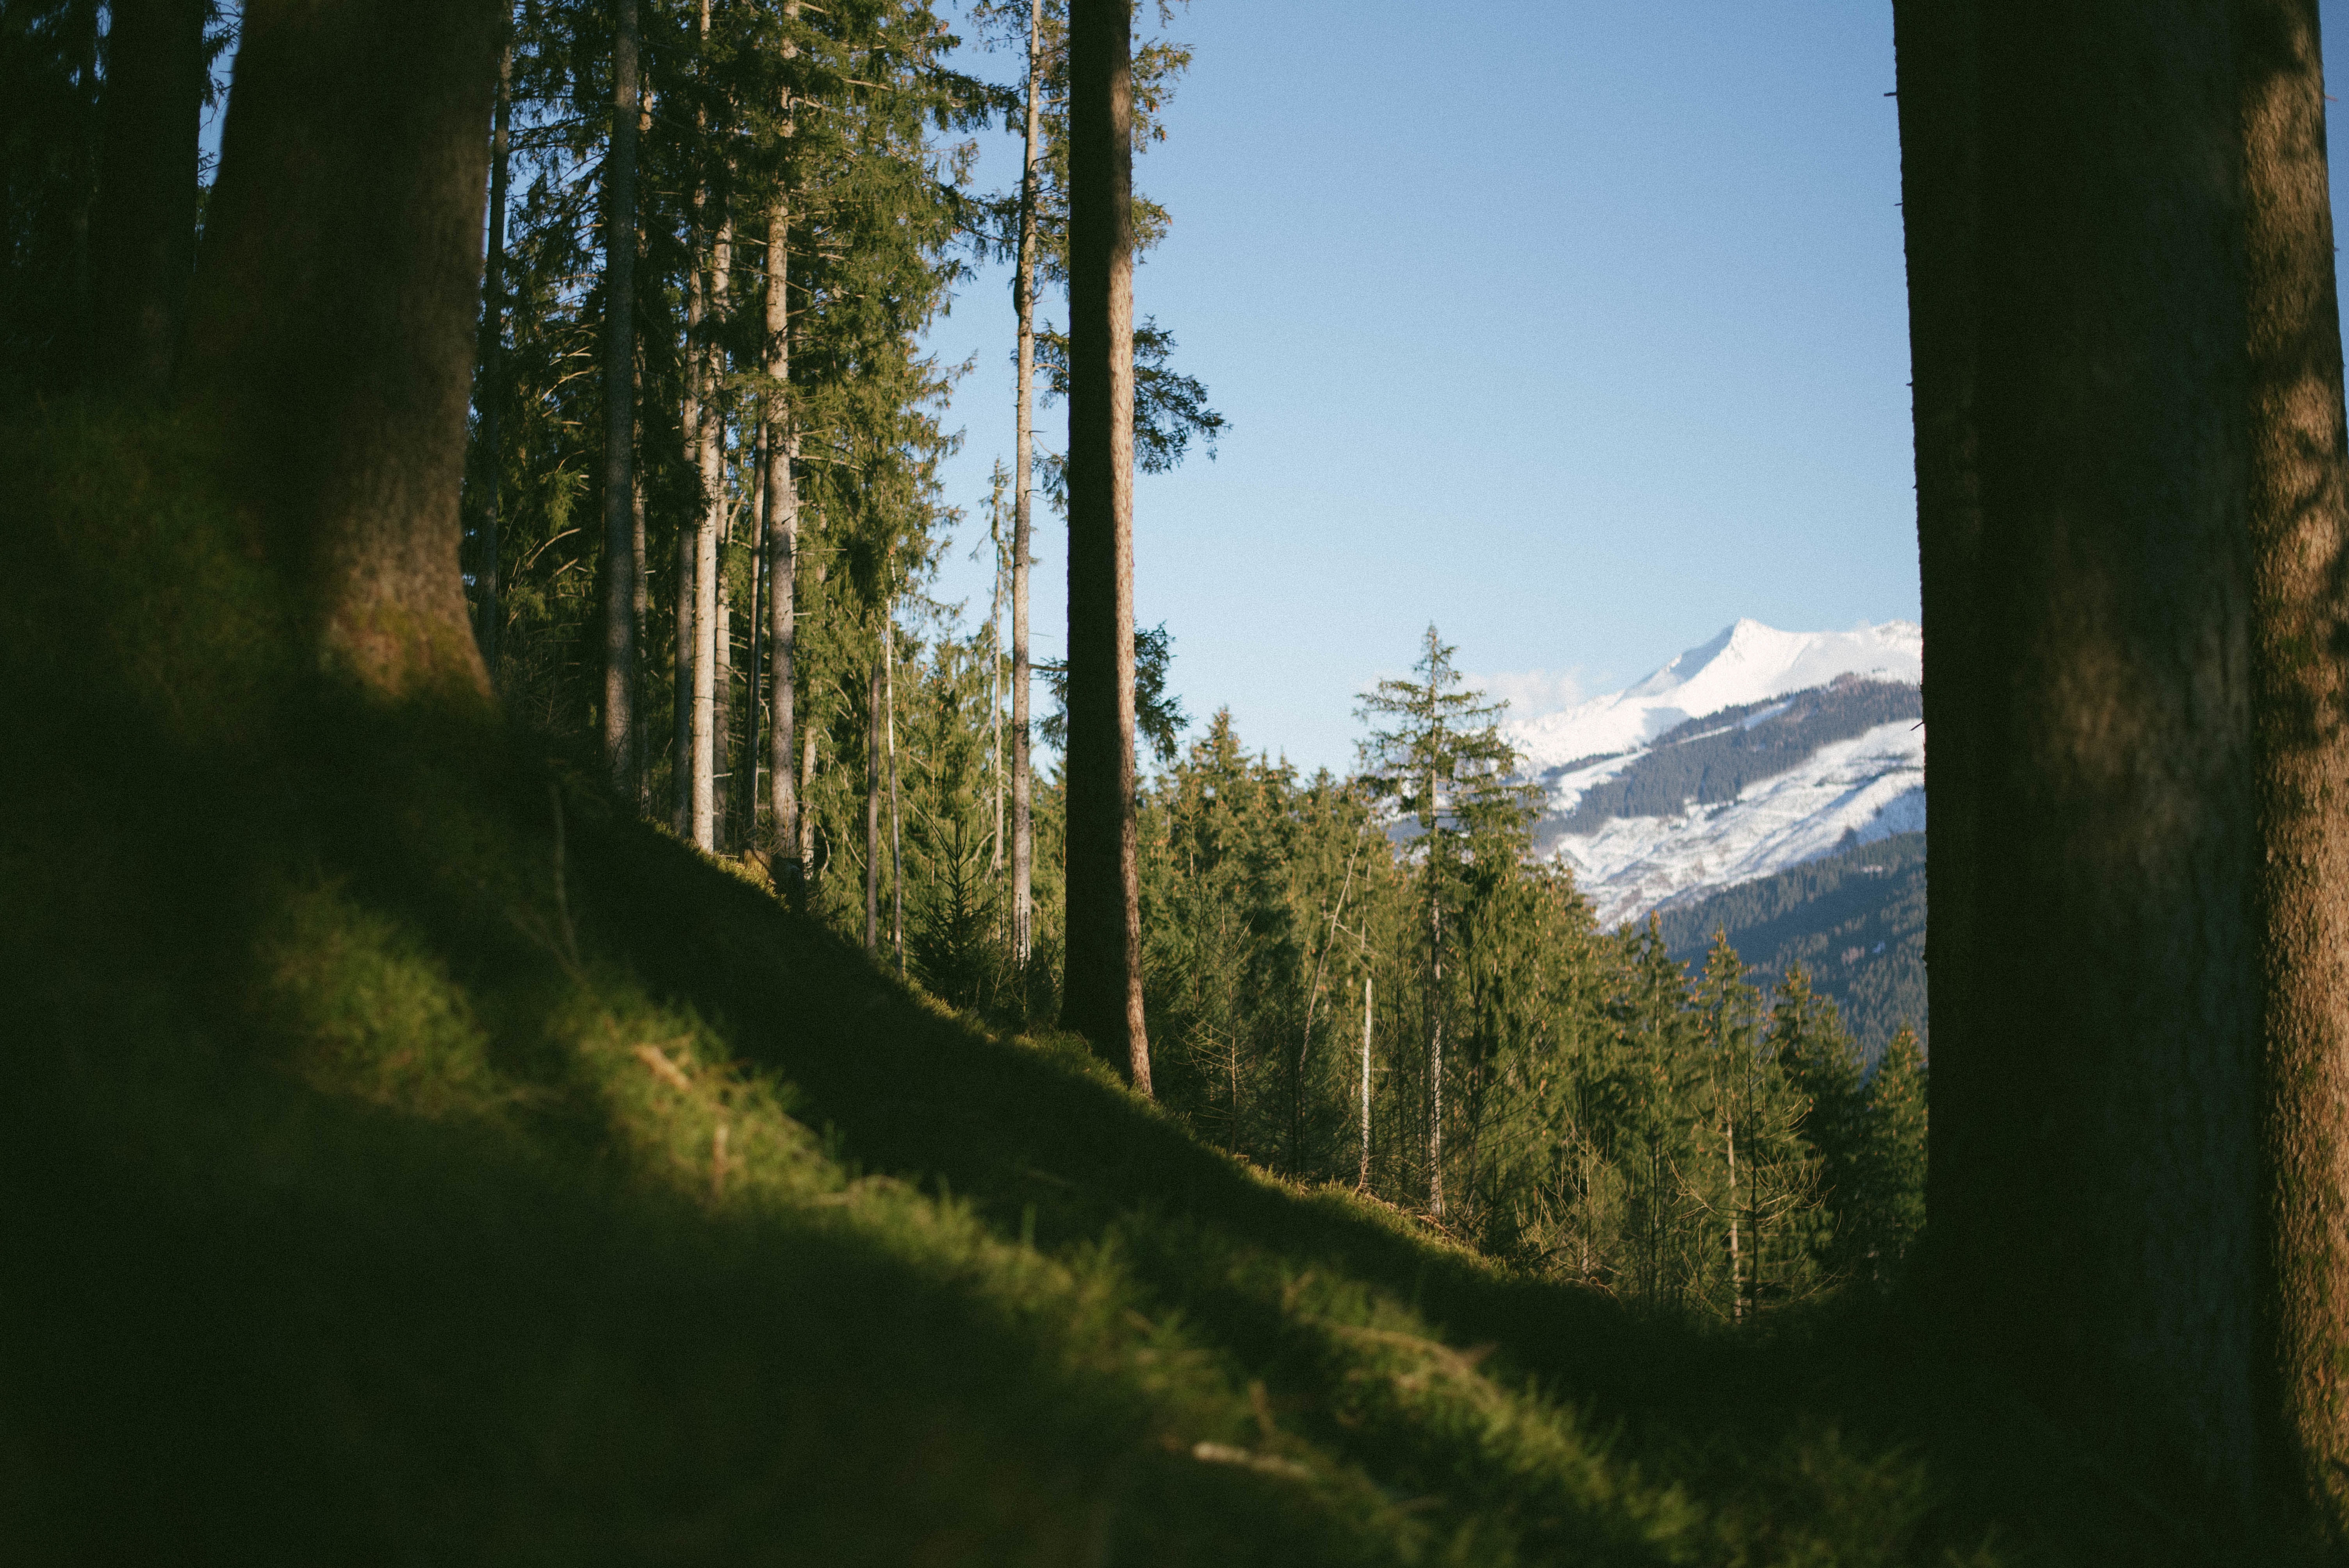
405,1157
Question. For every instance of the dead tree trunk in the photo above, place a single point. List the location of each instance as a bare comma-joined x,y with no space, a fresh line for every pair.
783,554
872,808
1363,1178
1103,990
620,238
709,455
331,326
1023,841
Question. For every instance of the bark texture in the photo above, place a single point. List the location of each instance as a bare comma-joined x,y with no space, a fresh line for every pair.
144,228
2298,518
330,332
783,554
1104,990
620,588
2109,1161
1935,42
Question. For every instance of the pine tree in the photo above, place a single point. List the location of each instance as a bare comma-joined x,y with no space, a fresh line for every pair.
1444,764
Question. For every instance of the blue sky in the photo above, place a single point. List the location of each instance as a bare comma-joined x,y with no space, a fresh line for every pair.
1578,329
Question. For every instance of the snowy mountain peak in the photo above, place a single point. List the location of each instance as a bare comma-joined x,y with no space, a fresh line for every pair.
1645,824
1747,662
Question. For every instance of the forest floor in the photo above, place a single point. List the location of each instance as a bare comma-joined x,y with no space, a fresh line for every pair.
407,1156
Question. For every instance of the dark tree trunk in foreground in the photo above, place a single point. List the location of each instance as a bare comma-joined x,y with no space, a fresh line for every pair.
2300,707
330,331
2102,1192
620,411
1104,992
143,229
1935,42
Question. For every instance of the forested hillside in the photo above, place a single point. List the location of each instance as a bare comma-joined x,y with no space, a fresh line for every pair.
1854,920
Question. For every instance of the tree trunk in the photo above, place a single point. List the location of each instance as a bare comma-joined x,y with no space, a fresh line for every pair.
1023,841
808,734
2299,729
488,396
721,712
1435,1038
872,808
783,554
620,410
746,791
1362,1179
1936,46
896,832
710,460
331,326
1104,990
144,228
2104,1209
640,623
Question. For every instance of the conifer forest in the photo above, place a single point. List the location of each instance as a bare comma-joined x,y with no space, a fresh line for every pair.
563,999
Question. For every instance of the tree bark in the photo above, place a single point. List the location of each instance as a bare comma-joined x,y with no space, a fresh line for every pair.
620,588
1936,46
709,452
1023,841
782,552
144,228
488,396
872,808
331,324
2104,1210
897,826
1434,1034
1362,1179
1103,990
2299,726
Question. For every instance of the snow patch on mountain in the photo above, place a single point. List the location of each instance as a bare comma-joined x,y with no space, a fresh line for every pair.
1867,787
1747,663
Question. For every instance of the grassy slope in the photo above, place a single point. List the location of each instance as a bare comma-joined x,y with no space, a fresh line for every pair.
404,1158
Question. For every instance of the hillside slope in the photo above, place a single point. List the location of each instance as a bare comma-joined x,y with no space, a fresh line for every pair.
406,1157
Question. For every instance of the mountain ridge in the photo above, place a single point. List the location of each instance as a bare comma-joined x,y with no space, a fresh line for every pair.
1820,745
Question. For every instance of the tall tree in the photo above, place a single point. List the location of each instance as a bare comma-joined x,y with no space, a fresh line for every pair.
331,324
620,233
1444,764
144,228
2103,1198
1023,834
781,449
1936,43
2298,518
1102,993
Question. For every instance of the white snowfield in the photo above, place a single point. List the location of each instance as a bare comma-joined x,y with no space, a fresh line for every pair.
1871,785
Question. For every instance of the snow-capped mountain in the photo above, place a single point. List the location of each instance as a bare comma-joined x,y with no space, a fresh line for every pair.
1748,754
